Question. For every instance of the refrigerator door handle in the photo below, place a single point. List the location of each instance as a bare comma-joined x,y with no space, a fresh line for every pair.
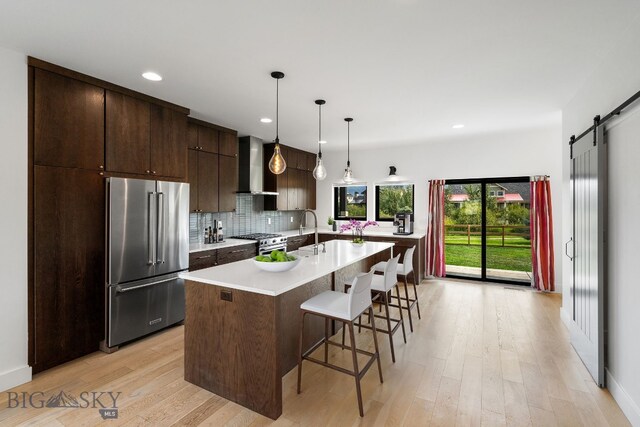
123,289
162,233
151,246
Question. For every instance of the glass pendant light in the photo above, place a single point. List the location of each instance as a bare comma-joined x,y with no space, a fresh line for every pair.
348,173
277,164
319,172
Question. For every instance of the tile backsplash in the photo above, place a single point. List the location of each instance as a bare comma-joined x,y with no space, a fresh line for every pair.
250,217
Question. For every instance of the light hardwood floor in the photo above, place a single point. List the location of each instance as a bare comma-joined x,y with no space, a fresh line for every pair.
481,355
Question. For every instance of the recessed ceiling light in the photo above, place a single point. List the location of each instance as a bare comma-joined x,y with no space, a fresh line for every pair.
458,126
322,142
266,120
150,75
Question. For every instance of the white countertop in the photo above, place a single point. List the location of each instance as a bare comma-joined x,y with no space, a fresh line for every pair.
246,276
227,243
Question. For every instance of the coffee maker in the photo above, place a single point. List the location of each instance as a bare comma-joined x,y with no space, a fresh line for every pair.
403,223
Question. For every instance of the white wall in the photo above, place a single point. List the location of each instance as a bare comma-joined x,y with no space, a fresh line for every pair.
615,80
13,224
524,153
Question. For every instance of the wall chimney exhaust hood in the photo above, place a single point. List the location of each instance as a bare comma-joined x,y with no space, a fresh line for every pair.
251,167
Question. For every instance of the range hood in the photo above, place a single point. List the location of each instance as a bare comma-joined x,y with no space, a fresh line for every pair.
251,167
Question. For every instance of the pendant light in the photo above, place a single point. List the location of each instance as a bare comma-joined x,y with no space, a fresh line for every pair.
277,164
319,172
348,174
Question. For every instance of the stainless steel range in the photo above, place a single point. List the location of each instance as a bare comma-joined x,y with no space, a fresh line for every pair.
266,242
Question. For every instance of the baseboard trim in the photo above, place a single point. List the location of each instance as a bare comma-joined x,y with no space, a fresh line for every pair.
628,406
15,378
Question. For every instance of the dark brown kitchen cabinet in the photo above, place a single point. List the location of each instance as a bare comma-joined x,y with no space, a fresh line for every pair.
228,144
311,191
144,138
168,147
293,189
208,139
237,253
296,242
228,179
203,259
208,182
128,121
213,177
301,160
311,161
213,257
192,179
192,136
67,287
203,136
302,190
68,122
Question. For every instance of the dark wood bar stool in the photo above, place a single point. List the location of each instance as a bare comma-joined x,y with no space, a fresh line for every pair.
344,307
381,287
404,270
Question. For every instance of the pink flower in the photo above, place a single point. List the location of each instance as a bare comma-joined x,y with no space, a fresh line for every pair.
356,225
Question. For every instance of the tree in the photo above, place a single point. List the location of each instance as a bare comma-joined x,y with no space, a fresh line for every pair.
394,199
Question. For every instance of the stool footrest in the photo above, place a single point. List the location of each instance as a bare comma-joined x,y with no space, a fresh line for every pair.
372,358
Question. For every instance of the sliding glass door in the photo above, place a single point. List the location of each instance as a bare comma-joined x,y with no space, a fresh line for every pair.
487,229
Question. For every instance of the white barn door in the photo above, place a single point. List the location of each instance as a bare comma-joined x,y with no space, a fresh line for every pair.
588,194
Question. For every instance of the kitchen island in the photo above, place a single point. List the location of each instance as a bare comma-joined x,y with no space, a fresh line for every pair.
242,323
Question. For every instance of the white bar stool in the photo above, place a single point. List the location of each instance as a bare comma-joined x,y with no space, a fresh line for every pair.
344,307
381,286
404,270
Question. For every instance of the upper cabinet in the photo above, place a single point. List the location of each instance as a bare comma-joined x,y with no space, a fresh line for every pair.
296,186
143,138
203,138
128,121
68,122
168,142
213,167
228,144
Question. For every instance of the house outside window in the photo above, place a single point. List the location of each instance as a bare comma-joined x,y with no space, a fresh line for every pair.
350,202
393,199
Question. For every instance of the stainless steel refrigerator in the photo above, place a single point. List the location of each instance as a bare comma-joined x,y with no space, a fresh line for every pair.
147,247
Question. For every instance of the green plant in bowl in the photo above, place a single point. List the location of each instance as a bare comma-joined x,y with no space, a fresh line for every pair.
276,256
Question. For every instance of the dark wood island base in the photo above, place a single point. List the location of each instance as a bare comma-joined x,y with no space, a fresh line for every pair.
239,344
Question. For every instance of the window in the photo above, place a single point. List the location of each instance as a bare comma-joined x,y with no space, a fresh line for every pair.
391,199
492,193
500,193
350,202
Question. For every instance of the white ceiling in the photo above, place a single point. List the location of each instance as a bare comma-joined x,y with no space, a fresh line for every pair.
406,70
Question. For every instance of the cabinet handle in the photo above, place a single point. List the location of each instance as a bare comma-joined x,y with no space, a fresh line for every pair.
101,174
153,172
101,167
203,257
238,250
148,171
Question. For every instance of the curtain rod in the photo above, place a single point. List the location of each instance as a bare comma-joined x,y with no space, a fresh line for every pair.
600,121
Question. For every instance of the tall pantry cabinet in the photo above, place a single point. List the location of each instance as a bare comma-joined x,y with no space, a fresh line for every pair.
82,130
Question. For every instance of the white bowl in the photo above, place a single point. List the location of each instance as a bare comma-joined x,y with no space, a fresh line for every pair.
276,267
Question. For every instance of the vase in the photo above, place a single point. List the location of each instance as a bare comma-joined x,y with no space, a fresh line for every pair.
356,237
334,226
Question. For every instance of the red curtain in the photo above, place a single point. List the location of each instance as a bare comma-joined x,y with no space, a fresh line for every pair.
435,230
542,235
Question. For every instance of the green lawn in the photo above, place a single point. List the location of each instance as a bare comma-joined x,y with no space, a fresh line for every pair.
517,259
491,240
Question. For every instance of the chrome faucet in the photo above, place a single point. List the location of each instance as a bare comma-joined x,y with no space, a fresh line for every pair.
315,217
